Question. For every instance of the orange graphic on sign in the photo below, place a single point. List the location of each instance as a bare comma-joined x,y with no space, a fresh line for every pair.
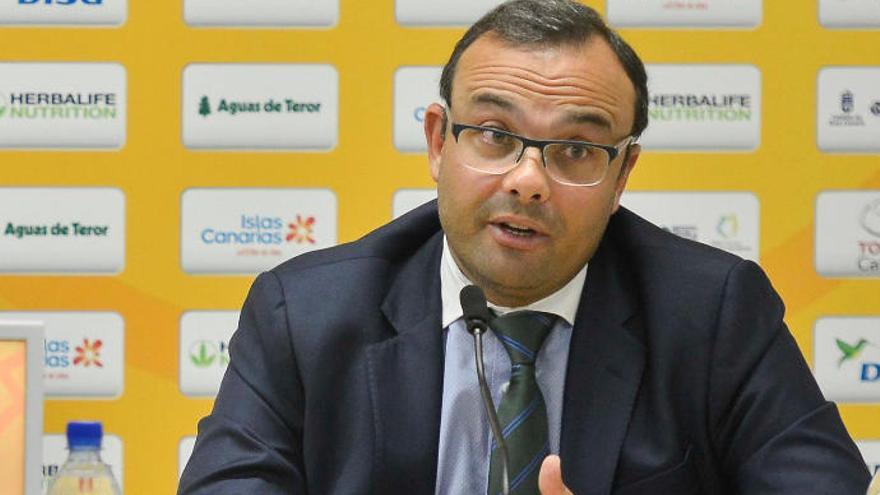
88,354
12,392
301,231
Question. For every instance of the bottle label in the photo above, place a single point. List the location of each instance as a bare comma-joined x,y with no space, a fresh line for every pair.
73,485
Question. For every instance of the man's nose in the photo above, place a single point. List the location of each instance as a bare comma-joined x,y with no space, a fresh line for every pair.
528,181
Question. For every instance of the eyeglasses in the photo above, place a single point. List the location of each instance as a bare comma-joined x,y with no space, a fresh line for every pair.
573,163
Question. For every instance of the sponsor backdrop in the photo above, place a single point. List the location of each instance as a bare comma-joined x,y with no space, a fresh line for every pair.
157,155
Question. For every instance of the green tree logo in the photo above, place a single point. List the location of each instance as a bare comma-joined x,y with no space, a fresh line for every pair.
205,107
203,354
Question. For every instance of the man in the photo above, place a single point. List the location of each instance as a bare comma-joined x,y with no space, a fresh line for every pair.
664,366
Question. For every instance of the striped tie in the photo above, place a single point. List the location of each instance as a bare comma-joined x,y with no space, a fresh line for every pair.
522,413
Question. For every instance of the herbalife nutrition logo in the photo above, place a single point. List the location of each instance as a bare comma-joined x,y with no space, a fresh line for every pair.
59,106
701,107
270,106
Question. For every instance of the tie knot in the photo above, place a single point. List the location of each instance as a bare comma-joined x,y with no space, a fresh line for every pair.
523,333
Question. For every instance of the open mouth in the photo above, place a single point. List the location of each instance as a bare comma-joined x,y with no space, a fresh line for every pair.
517,230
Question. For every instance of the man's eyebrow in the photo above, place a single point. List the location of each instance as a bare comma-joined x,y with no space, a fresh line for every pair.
493,99
589,118
576,117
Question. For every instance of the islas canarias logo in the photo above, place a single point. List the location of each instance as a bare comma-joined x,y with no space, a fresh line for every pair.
263,230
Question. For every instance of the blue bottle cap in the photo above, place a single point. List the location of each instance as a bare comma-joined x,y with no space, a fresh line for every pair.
84,434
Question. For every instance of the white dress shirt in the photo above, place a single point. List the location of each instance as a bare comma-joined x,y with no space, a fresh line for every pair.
465,435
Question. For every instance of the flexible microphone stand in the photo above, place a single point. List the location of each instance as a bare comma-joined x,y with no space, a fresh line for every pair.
476,317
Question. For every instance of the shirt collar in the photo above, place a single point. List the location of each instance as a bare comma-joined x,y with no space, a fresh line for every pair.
563,303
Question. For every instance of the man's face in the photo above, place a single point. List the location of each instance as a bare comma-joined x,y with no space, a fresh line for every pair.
521,235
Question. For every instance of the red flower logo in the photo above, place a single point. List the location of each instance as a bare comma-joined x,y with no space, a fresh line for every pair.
301,231
88,354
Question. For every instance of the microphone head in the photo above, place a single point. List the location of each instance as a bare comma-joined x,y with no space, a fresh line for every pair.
473,305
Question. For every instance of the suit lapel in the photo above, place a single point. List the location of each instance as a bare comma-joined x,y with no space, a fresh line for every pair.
605,365
406,378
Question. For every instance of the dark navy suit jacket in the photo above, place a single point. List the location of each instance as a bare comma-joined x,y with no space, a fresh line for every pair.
682,377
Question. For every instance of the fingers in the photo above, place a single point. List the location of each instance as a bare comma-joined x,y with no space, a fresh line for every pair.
550,477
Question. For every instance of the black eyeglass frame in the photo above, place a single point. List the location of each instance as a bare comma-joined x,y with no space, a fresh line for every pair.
540,144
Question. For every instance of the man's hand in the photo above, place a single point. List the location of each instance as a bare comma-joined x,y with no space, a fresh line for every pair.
550,477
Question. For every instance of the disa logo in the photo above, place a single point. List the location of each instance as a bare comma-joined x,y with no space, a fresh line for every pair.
869,372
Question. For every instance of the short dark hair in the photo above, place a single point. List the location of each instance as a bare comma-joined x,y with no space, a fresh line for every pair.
552,23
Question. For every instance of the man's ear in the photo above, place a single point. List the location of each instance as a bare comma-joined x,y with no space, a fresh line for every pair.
630,157
435,134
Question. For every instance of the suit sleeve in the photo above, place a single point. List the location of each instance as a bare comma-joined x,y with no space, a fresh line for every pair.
252,440
774,432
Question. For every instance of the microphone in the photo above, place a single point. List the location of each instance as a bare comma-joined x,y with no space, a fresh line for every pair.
476,317
476,312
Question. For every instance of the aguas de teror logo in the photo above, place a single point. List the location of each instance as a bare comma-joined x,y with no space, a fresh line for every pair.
232,107
77,229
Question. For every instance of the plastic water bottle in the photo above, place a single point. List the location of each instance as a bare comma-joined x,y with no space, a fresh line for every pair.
84,472
874,489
